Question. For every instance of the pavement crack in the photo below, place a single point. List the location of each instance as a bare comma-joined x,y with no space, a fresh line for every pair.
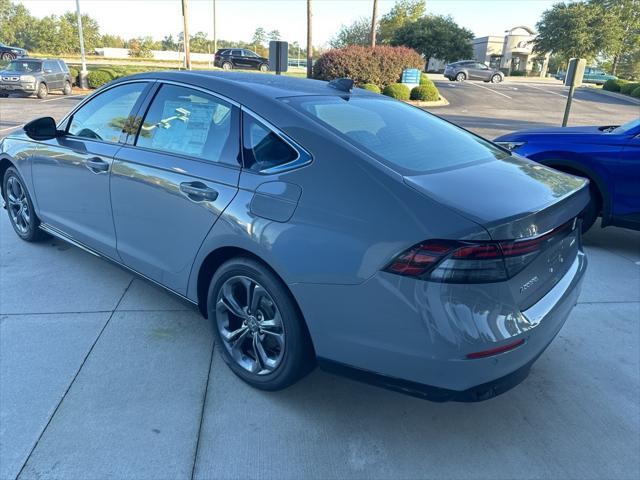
204,404
64,395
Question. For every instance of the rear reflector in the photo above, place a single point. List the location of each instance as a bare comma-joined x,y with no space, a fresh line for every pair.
473,262
495,351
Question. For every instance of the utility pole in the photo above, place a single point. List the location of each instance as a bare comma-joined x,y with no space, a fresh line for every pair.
309,41
215,38
374,20
185,17
83,72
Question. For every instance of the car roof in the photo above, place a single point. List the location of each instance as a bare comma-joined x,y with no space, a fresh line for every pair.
242,87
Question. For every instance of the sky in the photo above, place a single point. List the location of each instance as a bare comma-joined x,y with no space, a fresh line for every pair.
238,19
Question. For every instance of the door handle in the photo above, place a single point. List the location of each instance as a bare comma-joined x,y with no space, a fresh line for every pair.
198,191
96,165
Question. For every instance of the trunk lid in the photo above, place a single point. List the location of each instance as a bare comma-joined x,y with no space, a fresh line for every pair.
517,200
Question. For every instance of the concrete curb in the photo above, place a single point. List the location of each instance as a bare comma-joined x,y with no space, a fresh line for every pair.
443,102
619,96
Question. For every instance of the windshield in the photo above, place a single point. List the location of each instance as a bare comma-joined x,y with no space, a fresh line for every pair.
627,127
24,67
407,139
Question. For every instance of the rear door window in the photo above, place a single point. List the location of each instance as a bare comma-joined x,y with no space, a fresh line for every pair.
189,122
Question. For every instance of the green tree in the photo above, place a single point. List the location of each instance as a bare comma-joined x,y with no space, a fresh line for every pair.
199,43
168,43
16,25
355,34
436,36
141,47
581,30
625,27
274,35
403,12
112,41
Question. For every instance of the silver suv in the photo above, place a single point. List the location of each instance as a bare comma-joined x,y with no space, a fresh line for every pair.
35,76
472,70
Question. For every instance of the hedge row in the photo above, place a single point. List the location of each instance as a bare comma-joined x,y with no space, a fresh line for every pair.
98,76
426,91
379,65
623,86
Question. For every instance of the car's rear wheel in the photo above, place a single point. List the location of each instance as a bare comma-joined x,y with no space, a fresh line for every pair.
8,56
42,91
461,77
264,67
227,66
496,78
66,90
261,333
22,215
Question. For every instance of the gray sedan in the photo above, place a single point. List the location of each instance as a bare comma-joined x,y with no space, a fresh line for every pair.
472,70
311,222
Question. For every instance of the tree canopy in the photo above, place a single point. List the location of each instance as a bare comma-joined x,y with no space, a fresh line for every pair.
355,34
436,36
403,12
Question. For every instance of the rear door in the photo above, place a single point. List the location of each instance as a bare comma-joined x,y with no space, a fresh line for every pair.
236,58
172,181
53,75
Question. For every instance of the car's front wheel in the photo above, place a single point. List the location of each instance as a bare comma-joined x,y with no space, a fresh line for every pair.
8,56
261,333
264,67
496,78
461,77
22,215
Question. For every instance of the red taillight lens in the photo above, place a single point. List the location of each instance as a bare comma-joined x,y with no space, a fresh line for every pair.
496,351
473,262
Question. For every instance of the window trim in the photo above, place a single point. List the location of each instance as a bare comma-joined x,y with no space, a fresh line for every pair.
302,159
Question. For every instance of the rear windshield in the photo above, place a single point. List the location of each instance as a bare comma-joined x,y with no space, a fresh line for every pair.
408,139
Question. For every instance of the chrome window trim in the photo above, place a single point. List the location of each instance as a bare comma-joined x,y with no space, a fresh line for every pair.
303,159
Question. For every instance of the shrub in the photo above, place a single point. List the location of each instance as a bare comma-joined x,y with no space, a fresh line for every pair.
613,85
398,91
427,93
518,73
73,73
381,65
372,87
97,78
424,80
627,88
636,93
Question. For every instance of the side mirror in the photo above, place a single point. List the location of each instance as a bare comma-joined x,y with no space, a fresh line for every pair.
41,129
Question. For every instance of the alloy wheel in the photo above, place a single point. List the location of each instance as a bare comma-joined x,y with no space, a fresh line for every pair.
18,205
250,325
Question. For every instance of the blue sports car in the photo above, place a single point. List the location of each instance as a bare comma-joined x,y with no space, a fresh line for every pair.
608,156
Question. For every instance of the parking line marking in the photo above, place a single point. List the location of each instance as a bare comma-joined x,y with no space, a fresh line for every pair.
12,128
58,98
553,93
491,90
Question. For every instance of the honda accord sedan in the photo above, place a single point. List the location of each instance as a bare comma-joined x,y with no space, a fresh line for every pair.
313,222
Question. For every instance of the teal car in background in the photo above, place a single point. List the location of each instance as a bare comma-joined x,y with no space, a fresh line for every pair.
591,75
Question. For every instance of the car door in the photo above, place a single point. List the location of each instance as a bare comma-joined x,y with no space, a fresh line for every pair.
52,75
481,71
236,58
251,59
627,202
172,181
71,172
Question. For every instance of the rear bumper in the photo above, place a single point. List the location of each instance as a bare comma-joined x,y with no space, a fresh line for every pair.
414,336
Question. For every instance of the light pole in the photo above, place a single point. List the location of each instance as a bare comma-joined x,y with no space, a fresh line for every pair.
215,38
374,20
83,71
185,17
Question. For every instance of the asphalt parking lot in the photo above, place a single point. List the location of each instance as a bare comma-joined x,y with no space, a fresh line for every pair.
103,375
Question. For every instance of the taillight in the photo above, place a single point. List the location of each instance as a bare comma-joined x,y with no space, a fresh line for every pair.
473,262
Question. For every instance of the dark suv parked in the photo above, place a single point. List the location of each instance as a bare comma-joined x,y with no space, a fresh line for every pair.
10,53
228,58
35,76
472,70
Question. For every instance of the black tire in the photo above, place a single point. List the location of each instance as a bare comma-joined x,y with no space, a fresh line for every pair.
227,66
592,211
8,56
26,230
42,91
297,357
461,77
263,68
66,90
496,78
